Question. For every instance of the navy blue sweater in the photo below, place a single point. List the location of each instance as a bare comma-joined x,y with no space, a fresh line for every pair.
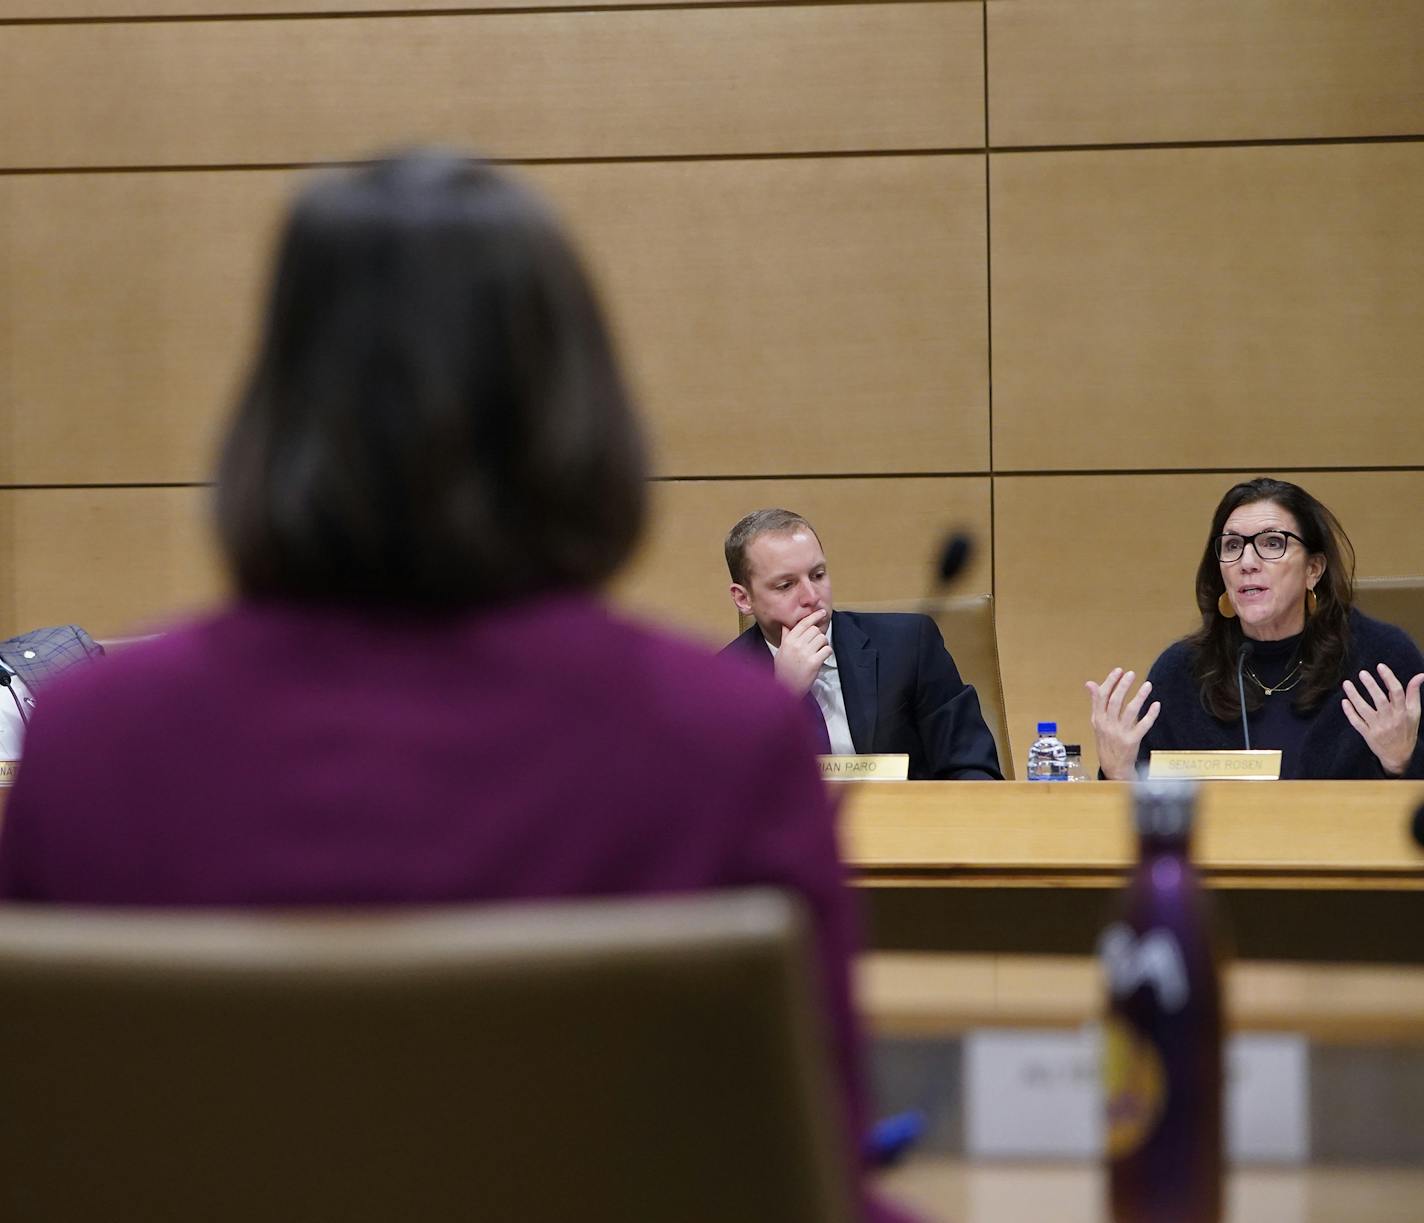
1321,743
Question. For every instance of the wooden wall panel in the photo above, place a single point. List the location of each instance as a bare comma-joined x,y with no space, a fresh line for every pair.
778,315
881,538
547,85
113,560
116,559
53,10
1093,572
128,303
783,316
803,315
1140,71
1208,307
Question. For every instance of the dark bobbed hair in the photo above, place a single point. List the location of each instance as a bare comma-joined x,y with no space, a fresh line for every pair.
758,522
435,416
1325,644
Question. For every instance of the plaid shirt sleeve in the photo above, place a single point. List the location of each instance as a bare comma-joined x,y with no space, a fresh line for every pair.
40,655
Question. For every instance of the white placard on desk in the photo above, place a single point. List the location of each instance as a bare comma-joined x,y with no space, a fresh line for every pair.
1268,1097
1037,1094
1032,1094
891,766
1258,764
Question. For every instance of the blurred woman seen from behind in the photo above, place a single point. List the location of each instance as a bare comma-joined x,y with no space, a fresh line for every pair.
416,694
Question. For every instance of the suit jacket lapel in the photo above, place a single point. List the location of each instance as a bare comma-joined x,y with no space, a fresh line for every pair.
751,645
856,660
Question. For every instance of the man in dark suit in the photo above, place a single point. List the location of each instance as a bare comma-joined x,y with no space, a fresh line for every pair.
872,682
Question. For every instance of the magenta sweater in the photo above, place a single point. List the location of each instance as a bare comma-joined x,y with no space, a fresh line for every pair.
279,755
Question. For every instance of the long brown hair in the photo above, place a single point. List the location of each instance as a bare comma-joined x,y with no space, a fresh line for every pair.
436,416
1325,644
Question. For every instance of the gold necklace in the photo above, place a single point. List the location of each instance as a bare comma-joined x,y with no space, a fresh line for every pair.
1283,686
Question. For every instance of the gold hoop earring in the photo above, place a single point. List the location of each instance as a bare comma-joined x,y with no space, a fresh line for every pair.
1312,601
1223,605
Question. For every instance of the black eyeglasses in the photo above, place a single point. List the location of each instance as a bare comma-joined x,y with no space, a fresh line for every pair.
1269,545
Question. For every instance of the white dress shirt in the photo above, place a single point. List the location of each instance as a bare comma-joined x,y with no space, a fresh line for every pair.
826,688
12,726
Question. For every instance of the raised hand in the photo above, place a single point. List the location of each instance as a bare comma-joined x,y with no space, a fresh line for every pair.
1119,724
1389,719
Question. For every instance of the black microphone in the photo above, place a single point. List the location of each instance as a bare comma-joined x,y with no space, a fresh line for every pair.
1416,826
1245,652
953,558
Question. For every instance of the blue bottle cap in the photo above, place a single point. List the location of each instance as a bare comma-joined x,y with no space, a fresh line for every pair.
1048,728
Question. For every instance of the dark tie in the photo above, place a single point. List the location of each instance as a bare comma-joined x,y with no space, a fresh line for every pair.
818,724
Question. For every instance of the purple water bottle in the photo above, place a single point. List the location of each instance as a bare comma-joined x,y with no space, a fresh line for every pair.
1162,1039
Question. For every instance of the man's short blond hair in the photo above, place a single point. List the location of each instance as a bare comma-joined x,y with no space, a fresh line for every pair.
758,522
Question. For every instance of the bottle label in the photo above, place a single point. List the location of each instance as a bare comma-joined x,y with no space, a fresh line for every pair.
1154,960
1135,1087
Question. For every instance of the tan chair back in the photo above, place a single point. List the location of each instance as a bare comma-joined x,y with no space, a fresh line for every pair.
967,625
608,1060
1397,601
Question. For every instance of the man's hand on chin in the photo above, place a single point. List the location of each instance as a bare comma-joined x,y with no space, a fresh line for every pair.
803,649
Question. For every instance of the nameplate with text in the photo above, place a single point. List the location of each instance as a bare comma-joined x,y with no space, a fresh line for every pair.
1033,1093
1263,765
8,771
894,766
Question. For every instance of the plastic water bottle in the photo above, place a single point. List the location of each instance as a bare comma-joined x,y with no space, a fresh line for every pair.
1047,758
1075,762
1162,1067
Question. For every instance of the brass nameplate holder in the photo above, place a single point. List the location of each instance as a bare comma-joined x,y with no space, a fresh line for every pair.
1263,765
894,766
8,771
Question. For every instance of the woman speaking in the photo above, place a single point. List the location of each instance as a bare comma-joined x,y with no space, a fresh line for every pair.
1336,692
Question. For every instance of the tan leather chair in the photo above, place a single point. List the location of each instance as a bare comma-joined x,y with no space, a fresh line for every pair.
614,1060
1397,601
967,625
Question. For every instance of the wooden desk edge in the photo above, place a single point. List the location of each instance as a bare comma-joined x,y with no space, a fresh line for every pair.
928,995
918,875
1290,834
